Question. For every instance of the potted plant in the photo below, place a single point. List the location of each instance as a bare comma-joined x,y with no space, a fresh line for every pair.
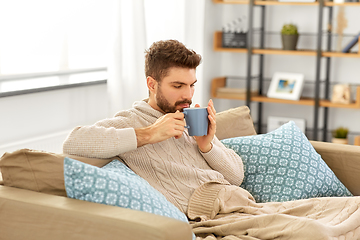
289,36
340,135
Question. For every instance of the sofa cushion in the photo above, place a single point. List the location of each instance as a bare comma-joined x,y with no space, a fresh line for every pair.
116,185
39,170
282,165
234,122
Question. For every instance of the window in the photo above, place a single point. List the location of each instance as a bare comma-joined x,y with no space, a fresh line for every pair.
40,36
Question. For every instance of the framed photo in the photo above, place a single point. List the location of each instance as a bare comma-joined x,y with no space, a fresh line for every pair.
286,86
341,94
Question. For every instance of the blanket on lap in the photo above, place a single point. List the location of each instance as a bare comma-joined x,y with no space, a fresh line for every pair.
220,211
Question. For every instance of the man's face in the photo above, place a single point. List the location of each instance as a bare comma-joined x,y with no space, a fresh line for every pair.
175,91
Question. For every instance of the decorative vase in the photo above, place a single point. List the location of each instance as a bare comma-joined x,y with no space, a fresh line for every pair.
339,140
289,42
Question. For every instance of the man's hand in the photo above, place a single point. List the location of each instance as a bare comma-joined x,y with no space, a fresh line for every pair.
167,126
204,142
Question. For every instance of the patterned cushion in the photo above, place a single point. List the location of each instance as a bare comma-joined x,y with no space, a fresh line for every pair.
115,184
282,165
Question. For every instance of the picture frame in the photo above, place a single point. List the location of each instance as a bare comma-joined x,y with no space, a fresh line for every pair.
341,93
286,86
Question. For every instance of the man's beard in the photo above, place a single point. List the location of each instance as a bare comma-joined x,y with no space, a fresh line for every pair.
165,106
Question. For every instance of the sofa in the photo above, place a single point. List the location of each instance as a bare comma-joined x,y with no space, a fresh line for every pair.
34,204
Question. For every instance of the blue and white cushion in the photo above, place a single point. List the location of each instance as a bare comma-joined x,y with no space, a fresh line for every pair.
117,185
282,165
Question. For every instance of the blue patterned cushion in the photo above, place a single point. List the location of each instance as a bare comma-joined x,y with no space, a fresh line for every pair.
282,165
115,184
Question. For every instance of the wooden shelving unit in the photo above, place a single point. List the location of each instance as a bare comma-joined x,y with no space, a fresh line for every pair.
218,86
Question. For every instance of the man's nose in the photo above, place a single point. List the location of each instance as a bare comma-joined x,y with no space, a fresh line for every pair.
188,93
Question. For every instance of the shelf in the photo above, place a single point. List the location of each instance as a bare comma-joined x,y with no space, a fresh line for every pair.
340,54
302,52
352,4
328,4
221,83
284,52
286,3
218,47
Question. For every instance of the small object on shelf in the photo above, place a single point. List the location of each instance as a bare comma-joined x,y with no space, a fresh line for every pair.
351,44
234,34
276,122
341,94
357,140
286,86
342,23
234,40
289,36
339,135
238,92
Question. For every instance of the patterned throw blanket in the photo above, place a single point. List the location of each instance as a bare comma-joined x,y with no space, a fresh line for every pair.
230,213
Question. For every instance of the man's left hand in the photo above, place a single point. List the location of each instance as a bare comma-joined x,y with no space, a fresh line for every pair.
204,142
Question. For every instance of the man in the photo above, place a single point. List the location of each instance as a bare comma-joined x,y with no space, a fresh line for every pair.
151,137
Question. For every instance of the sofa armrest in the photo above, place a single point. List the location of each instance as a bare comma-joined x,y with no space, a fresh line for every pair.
32,215
344,161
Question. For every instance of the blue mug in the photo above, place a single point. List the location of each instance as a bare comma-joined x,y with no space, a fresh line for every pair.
196,121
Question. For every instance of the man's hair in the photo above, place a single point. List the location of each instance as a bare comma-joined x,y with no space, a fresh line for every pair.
163,55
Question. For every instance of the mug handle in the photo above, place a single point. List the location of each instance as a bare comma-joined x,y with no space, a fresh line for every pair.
186,125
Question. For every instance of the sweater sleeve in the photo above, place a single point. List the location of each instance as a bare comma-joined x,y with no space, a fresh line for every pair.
225,161
105,139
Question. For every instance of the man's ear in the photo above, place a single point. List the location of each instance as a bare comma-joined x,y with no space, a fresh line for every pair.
151,84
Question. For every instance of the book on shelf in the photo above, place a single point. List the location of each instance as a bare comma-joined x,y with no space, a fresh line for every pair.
238,92
351,44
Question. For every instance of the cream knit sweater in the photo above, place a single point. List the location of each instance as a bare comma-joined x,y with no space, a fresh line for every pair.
175,167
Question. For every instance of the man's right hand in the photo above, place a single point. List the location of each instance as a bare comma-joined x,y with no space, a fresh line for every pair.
167,126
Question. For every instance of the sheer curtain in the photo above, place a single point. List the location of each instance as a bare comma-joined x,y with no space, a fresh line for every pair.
126,81
136,25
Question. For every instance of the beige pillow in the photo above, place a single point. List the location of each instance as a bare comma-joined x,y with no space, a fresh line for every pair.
39,170
235,122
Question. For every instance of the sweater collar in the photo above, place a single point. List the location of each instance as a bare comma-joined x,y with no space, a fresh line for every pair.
144,107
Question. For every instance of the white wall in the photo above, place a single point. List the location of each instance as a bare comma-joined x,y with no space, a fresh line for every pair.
343,70
38,114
